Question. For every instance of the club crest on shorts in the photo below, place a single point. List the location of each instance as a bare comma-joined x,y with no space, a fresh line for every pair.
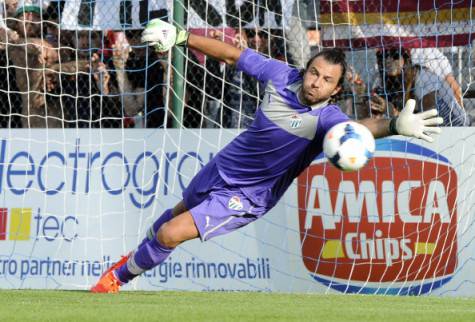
235,203
295,121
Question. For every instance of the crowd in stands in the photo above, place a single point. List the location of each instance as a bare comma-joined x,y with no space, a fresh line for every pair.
107,79
75,78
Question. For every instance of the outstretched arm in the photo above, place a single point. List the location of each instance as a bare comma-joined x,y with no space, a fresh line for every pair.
164,36
420,125
214,48
378,127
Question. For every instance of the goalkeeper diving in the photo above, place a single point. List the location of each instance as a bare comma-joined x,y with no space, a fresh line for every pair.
249,175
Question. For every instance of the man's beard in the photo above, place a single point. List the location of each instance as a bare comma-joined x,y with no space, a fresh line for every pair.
310,100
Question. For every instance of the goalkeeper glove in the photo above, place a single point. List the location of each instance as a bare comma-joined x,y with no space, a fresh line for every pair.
163,35
419,125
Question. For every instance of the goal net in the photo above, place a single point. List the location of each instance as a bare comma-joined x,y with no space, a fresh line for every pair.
100,135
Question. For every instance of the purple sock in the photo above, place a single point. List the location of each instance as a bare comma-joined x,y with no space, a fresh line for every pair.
152,231
146,257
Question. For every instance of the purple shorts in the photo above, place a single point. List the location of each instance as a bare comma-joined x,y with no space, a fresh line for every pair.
218,208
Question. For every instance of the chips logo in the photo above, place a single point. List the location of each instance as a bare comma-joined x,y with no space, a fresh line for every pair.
390,228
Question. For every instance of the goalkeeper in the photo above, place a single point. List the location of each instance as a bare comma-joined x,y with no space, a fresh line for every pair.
247,178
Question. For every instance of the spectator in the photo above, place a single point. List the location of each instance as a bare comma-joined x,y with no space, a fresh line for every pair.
365,64
193,111
140,78
297,36
314,40
8,9
436,62
278,49
204,91
403,80
358,103
10,99
36,67
268,42
33,61
242,91
51,23
259,41
85,93
239,95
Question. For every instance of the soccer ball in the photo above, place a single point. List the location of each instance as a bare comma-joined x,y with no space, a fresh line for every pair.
349,146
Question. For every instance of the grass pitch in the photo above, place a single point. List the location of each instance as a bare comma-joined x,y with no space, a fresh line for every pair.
62,306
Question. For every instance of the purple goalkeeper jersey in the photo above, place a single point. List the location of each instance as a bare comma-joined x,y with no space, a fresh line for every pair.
283,139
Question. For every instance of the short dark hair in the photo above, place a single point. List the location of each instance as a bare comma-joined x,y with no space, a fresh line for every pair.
394,53
334,56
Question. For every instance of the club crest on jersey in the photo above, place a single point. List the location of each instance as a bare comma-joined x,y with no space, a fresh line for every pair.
235,203
295,121
390,228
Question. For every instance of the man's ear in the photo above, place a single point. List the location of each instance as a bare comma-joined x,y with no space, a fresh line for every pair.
336,90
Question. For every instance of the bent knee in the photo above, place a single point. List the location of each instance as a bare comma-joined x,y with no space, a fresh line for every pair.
177,230
167,237
171,236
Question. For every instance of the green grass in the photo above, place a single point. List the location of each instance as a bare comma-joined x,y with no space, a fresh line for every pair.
220,306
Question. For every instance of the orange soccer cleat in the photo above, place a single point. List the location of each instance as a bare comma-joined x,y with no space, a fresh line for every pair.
108,282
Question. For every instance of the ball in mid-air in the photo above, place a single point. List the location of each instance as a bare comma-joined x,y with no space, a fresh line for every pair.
349,146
